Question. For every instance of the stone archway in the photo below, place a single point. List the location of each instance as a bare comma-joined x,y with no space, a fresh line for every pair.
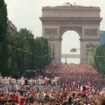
84,20
70,47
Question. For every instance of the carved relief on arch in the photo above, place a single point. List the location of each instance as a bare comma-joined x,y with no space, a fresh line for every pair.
51,31
90,32
67,28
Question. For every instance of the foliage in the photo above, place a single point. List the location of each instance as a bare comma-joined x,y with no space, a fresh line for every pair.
27,53
91,56
3,38
100,59
19,48
19,51
42,53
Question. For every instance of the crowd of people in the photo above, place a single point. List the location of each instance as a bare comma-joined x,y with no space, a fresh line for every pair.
60,86
73,72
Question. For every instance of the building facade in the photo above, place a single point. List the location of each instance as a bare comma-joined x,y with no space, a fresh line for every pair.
59,19
11,27
102,37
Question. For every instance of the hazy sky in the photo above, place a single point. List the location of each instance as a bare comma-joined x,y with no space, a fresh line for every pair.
26,13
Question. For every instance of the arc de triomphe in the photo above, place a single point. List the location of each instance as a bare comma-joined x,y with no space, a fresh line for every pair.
59,19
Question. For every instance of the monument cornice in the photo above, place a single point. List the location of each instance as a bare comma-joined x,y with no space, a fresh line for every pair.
55,39
89,39
70,7
71,18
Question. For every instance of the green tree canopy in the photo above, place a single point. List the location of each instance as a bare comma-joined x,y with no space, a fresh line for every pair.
100,59
27,53
3,38
41,52
19,51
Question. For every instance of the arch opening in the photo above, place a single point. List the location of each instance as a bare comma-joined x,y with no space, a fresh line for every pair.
70,47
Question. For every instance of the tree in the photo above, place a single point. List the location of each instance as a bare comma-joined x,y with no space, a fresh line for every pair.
91,55
3,38
19,51
28,39
27,53
41,52
100,59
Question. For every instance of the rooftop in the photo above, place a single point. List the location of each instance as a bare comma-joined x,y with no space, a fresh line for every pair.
70,6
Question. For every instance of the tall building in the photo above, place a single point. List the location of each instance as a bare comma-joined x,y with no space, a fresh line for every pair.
102,37
11,27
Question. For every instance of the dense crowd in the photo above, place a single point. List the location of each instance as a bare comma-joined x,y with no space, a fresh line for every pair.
67,88
74,72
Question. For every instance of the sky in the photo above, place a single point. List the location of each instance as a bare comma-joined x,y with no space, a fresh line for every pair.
26,13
